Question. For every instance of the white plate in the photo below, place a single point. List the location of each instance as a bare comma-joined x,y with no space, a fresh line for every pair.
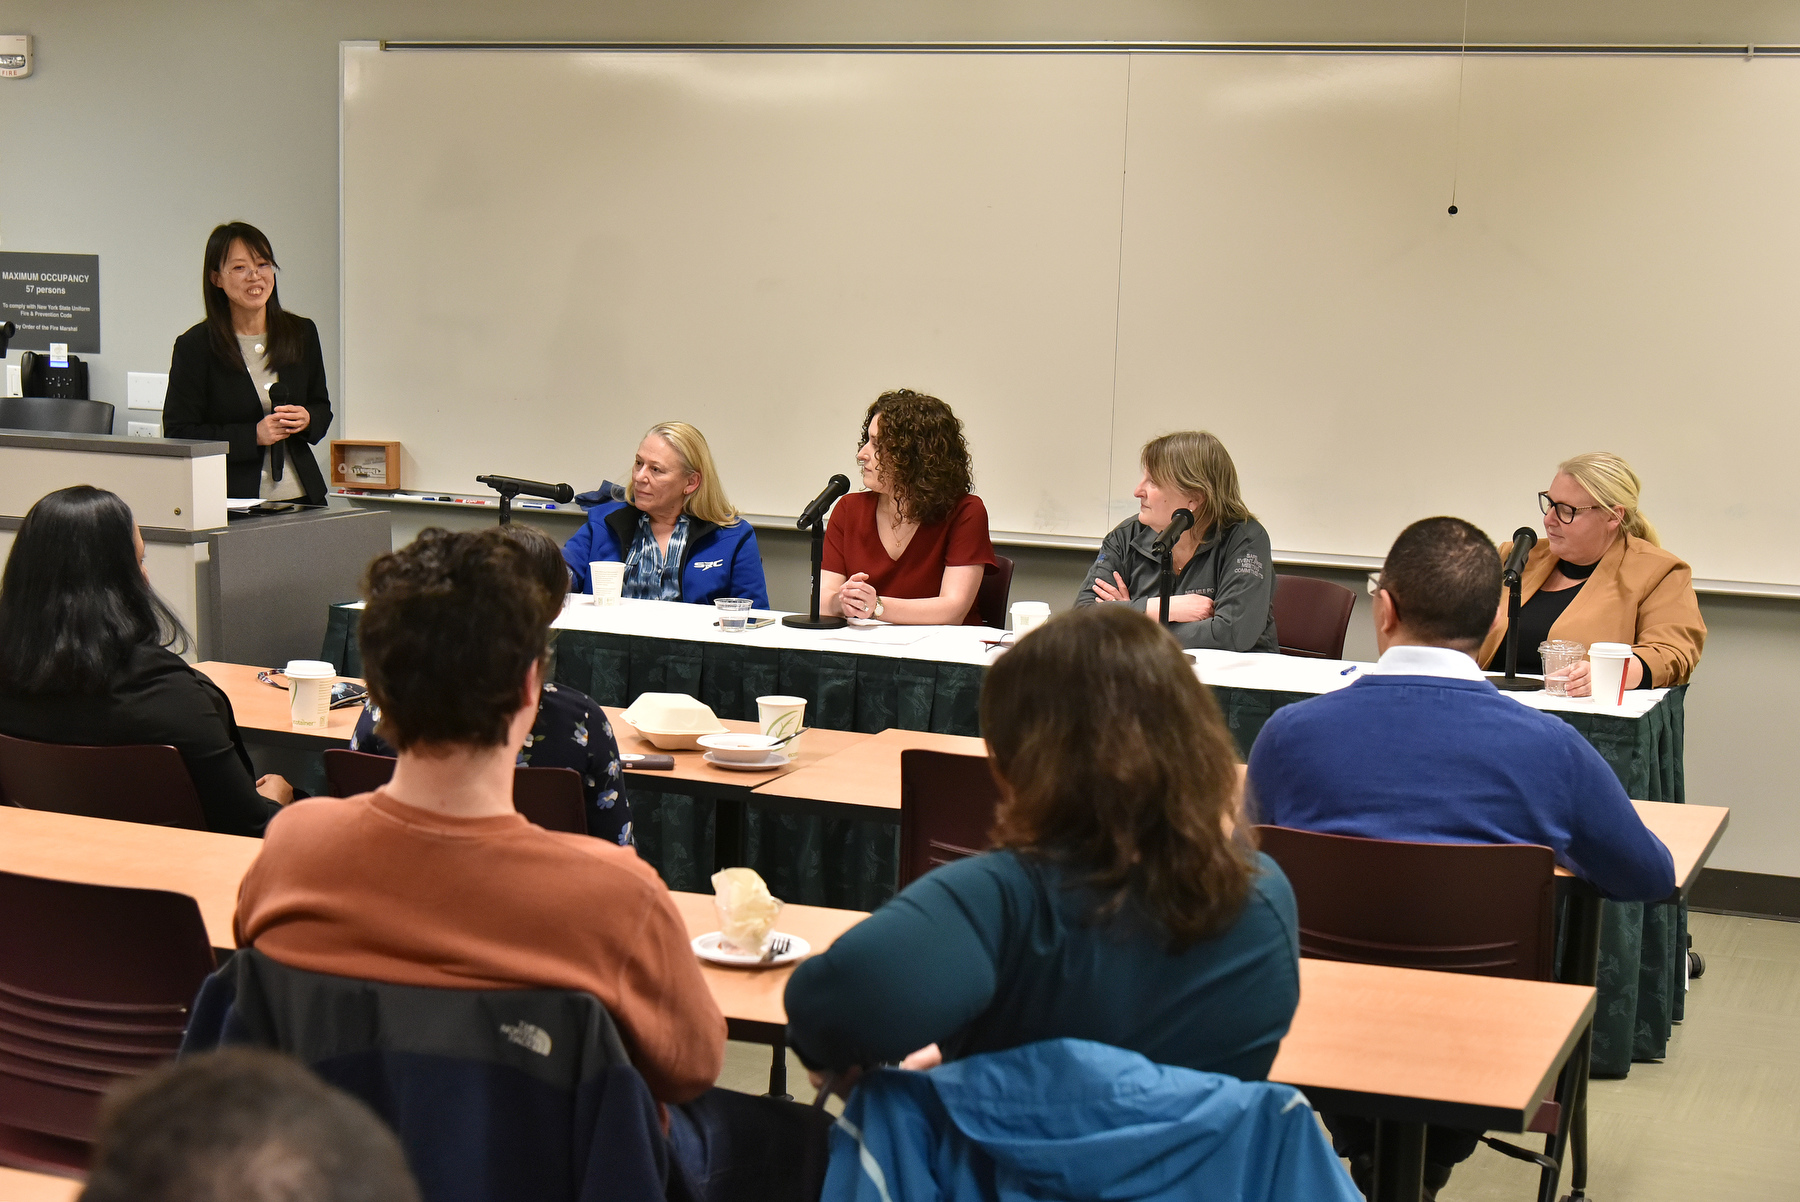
776,760
707,948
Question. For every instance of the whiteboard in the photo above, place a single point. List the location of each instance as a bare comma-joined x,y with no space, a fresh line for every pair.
546,251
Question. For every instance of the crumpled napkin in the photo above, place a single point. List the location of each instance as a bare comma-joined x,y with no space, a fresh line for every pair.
747,912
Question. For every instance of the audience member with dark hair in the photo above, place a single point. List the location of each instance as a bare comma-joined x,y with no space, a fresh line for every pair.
86,656
1425,749
436,880
242,1126
1116,907
571,731
914,547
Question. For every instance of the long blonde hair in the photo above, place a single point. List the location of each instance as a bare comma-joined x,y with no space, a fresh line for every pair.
1611,482
1193,461
708,502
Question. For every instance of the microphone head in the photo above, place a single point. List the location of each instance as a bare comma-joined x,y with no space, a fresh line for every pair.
1525,537
841,481
564,494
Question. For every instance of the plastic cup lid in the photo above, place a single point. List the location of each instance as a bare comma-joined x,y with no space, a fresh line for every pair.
1611,650
309,668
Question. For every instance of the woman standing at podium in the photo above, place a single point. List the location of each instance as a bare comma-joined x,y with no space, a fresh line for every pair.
251,375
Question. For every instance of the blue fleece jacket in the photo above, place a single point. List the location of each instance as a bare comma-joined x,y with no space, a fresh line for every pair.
1073,1119
719,561
1432,759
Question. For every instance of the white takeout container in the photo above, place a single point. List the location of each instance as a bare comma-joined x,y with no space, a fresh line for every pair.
740,748
673,721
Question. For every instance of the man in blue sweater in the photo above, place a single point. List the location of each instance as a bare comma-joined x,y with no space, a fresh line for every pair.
1424,749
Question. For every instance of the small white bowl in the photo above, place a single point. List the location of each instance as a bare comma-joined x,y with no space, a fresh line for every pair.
739,749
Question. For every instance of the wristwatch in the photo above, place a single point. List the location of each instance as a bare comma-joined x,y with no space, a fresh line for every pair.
879,607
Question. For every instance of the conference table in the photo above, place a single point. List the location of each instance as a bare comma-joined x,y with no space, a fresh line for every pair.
1401,1046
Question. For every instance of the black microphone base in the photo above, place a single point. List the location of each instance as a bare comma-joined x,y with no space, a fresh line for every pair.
1518,684
819,623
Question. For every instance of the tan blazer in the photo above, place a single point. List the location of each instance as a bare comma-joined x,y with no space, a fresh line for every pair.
1639,594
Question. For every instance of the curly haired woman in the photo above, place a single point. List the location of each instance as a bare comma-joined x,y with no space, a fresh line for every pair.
914,547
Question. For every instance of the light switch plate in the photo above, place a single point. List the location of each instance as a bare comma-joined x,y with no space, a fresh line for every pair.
143,429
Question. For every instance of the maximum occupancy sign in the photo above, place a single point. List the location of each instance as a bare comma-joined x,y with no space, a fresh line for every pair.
51,298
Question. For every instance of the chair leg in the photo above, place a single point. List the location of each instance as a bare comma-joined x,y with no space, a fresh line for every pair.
778,1070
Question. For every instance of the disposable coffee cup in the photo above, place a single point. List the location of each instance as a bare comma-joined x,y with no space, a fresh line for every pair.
1608,662
609,581
309,693
1559,655
780,717
1028,615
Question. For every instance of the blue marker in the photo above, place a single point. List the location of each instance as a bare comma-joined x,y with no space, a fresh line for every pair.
1348,670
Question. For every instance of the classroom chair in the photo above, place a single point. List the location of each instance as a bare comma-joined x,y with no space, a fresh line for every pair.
132,783
55,415
947,805
1486,909
493,1093
550,797
995,591
95,984
1311,616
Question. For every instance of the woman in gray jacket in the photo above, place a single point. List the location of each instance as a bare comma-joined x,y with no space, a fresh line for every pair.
1224,594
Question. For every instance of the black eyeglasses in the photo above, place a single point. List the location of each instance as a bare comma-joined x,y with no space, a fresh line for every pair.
1564,513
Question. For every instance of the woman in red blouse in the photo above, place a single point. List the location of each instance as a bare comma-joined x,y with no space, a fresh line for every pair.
914,547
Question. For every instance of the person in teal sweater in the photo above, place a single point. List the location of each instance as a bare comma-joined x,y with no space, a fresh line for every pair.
1116,907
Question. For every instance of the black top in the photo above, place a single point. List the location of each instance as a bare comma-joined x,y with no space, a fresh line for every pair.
211,399
570,732
1536,617
156,699
998,951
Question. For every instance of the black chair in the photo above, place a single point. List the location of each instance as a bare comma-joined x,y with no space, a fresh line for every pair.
947,805
55,415
1311,616
132,783
1480,908
493,1093
996,589
550,797
95,984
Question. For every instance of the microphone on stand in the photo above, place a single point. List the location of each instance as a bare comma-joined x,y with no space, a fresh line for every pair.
510,486
1523,540
1179,524
836,487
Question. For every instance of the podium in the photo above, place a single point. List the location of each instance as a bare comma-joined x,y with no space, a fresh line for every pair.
250,591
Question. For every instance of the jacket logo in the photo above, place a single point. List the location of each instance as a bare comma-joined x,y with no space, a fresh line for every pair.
1250,565
710,564
527,1035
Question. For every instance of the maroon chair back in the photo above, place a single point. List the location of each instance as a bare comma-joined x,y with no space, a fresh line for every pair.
947,807
1311,616
550,797
135,783
996,589
1477,908
95,984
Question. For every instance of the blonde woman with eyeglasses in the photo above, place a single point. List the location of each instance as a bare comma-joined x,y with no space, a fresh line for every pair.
1600,575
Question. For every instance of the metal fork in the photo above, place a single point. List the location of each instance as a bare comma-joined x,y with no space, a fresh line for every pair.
778,946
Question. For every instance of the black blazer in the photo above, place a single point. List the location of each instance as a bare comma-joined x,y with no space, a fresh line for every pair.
156,698
210,399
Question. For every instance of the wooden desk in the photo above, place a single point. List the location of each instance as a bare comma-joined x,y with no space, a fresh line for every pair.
694,775
862,781
1689,832
96,851
16,1185
264,710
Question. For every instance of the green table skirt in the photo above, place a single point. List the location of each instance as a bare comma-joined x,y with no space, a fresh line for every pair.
852,863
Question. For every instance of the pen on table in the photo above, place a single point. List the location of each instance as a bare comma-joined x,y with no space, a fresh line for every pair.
1349,670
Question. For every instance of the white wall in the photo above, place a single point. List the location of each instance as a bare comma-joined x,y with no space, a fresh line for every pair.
148,123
